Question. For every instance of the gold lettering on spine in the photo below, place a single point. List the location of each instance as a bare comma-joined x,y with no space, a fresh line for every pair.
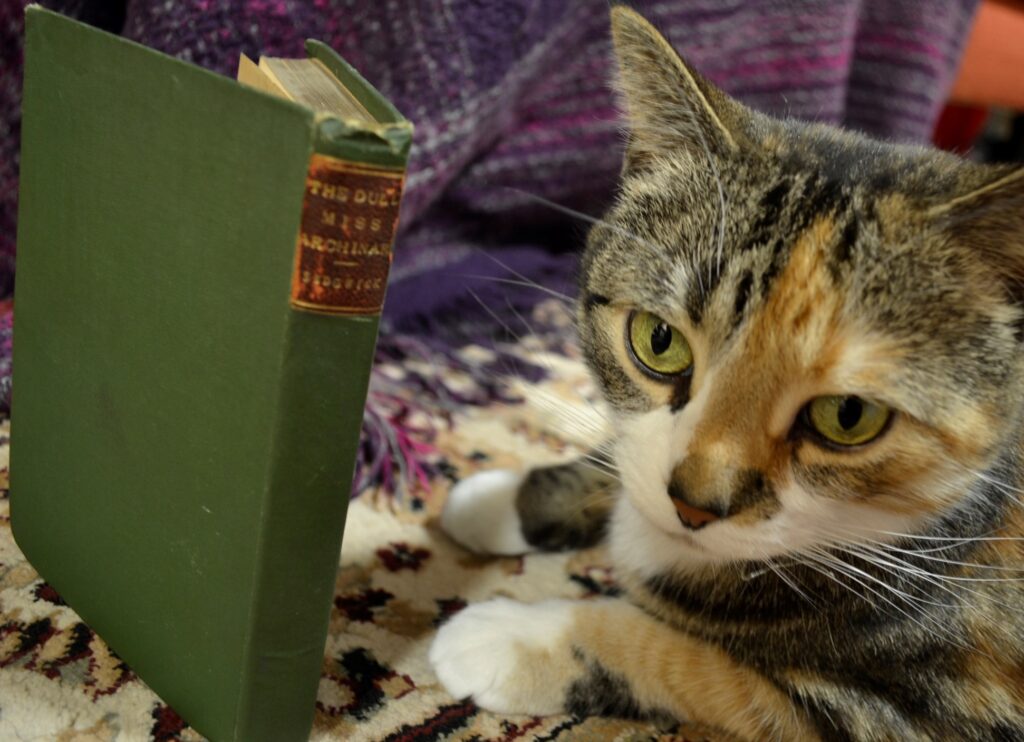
343,251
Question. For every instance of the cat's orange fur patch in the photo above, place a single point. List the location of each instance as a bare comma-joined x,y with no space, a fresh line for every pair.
803,306
794,340
693,679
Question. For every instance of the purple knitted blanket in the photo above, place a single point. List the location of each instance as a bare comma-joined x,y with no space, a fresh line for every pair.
511,100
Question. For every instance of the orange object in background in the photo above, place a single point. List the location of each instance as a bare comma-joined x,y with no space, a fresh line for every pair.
992,69
991,75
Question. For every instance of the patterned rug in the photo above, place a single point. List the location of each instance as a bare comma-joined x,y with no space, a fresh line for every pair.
399,578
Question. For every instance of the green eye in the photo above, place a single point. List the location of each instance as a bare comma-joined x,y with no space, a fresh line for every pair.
847,421
658,346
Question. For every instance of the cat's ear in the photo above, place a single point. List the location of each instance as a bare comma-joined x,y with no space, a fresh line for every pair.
670,108
986,216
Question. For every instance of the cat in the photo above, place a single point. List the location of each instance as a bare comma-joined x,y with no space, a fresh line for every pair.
810,347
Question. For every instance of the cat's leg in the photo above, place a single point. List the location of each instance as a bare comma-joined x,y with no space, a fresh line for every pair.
549,508
604,657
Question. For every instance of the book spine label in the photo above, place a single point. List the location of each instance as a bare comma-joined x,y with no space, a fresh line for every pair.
343,253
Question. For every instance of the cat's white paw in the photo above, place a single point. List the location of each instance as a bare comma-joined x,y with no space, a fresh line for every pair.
480,513
506,655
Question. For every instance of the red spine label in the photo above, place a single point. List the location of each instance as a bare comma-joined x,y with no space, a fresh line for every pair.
348,225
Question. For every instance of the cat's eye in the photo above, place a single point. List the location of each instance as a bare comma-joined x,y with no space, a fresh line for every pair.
658,347
847,421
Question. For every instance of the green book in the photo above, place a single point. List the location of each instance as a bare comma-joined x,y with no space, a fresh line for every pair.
201,266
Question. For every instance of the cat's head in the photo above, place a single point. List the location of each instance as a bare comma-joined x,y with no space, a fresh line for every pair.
803,335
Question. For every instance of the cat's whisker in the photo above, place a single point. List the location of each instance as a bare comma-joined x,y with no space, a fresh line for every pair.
564,298
880,555
923,553
577,425
584,425
948,542
574,423
556,402
494,315
589,219
526,281
903,570
506,360
522,281
1009,491
892,565
1013,493
855,574
522,320
779,570
824,568
911,569
940,581
601,457
890,559
885,556
956,540
413,348
825,563
867,575
927,554
998,483
595,464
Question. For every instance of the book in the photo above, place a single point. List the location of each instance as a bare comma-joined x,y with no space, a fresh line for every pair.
201,268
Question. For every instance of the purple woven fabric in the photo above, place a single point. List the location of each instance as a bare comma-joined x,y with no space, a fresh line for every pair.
514,93
11,33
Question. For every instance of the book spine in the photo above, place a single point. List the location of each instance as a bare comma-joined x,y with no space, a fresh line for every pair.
342,256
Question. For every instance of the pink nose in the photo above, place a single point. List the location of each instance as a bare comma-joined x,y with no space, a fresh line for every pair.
692,517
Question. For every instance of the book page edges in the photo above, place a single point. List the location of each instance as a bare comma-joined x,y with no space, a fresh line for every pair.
393,127
249,73
396,135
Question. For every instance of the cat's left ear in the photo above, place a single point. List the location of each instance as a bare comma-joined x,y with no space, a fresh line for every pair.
987,217
670,108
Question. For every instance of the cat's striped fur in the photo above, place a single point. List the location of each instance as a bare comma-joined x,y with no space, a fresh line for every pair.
873,593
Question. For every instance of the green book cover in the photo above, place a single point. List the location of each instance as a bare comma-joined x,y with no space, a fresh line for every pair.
200,271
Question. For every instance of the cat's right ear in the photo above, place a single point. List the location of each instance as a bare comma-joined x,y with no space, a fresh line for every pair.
986,214
671,110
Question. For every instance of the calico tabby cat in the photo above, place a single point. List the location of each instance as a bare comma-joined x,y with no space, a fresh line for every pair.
810,345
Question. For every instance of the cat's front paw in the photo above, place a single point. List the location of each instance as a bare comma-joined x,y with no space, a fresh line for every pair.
481,514
510,657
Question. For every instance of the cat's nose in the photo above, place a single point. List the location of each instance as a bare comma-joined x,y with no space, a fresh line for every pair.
691,516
